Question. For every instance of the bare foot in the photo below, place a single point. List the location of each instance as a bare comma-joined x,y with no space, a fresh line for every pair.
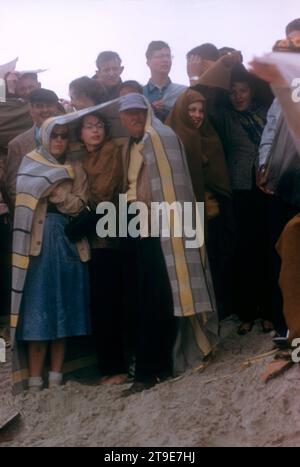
267,326
244,328
113,379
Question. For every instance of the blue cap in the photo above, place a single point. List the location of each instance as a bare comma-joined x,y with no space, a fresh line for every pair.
133,101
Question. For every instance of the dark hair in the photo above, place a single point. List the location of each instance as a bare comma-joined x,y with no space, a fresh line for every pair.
154,46
105,56
78,129
43,95
262,94
293,26
132,84
226,50
206,51
241,74
90,88
29,75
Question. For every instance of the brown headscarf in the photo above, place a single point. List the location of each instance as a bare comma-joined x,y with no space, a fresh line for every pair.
204,150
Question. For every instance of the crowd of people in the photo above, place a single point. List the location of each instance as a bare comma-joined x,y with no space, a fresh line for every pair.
148,307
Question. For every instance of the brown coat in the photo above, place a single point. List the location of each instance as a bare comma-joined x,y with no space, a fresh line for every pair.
104,170
69,197
288,248
17,148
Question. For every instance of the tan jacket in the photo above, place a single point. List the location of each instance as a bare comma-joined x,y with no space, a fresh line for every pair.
17,148
69,198
143,183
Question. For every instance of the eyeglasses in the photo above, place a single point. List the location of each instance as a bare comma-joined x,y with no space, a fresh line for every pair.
59,135
162,56
90,126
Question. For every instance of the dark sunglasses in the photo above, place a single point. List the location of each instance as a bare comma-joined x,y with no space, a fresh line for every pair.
59,135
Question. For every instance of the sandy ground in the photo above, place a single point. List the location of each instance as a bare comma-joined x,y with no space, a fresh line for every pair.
226,405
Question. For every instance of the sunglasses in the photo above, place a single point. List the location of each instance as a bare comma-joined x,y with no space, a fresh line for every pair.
59,135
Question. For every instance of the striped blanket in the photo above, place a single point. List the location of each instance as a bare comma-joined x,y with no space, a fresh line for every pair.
38,173
188,268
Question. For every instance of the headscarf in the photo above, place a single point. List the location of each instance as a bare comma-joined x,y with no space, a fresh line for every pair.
204,150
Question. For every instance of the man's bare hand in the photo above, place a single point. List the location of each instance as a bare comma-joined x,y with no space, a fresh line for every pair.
261,180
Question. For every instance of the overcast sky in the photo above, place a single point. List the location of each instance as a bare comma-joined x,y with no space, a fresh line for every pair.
66,36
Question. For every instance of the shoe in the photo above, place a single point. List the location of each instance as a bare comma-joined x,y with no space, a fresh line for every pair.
282,343
137,387
55,379
245,328
35,384
5,334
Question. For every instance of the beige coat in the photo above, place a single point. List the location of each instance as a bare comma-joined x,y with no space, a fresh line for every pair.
69,198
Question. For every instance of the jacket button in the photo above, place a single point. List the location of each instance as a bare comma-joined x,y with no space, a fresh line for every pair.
40,222
38,243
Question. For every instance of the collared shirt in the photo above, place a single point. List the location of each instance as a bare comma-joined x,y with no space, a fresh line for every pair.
168,94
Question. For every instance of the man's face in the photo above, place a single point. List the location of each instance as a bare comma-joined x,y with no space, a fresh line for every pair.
109,72
294,35
25,85
134,120
40,111
160,61
241,96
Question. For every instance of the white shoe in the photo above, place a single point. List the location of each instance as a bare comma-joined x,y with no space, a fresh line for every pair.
55,379
35,384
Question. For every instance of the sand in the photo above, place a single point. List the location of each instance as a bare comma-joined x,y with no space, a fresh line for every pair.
226,405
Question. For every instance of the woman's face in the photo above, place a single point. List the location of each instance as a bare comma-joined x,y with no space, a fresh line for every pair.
241,96
92,132
59,141
196,112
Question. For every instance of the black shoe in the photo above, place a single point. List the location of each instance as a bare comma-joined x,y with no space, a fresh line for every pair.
282,343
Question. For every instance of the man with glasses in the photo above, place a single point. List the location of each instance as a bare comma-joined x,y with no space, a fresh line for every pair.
160,91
